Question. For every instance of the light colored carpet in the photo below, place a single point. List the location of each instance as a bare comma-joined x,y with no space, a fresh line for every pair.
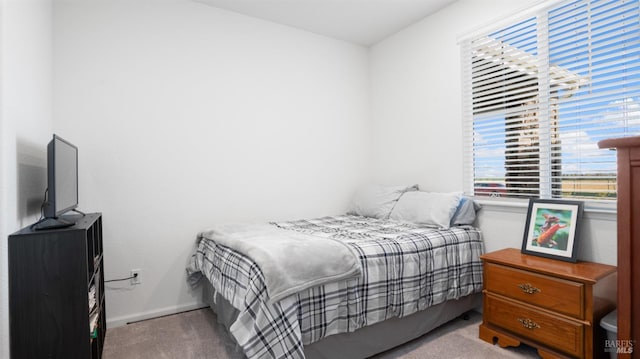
197,335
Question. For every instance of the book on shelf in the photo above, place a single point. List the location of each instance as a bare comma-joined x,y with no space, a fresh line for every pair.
92,297
93,320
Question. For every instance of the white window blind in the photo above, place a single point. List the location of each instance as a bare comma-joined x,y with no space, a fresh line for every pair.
539,94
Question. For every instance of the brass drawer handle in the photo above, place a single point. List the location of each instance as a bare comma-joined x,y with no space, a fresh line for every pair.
528,323
528,288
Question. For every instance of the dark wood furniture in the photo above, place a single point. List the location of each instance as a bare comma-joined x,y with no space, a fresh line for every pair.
51,274
628,150
552,305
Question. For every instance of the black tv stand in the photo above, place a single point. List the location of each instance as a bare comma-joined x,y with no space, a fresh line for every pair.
56,291
53,223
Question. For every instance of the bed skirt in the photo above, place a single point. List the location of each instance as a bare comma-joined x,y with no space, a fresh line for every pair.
369,340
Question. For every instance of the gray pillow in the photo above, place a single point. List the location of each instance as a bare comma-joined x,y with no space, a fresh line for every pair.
465,212
377,201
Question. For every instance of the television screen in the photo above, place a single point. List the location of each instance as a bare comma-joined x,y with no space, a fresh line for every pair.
62,185
64,194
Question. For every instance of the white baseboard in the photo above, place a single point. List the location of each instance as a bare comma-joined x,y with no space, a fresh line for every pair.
126,319
136,317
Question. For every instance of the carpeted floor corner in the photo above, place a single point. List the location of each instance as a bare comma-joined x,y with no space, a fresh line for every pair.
197,335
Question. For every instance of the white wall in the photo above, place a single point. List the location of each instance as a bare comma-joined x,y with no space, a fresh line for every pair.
417,119
25,125
186,116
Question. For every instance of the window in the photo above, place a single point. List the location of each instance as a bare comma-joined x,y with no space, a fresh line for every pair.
541,92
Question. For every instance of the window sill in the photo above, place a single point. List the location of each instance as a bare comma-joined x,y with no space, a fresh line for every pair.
605,212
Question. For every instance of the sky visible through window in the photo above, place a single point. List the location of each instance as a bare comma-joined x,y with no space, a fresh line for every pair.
597,42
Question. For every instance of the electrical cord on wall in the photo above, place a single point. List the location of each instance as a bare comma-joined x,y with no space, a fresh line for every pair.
135,275
44,202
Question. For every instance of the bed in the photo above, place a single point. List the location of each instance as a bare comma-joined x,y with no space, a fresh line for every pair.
411,278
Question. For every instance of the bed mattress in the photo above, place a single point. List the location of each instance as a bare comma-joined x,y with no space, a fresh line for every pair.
406,268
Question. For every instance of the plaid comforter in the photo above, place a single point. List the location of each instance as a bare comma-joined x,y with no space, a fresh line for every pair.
406,268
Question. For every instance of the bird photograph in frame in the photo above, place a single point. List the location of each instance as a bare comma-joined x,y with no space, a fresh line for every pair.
552,229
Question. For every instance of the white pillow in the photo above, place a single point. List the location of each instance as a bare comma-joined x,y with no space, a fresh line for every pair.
377,201
428,208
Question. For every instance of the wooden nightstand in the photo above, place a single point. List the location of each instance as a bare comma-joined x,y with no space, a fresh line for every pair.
551,305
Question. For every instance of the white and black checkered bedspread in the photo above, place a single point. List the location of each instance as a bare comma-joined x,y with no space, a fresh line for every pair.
406,268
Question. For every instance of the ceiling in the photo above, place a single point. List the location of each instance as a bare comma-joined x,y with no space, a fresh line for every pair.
363,22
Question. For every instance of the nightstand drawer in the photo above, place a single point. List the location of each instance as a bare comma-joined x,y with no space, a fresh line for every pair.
538,326
559,295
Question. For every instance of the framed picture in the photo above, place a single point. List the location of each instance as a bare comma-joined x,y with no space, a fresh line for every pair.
552,229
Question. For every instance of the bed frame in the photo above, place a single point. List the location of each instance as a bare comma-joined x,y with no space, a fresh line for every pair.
366,341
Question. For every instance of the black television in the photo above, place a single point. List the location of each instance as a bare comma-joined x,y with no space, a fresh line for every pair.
62,185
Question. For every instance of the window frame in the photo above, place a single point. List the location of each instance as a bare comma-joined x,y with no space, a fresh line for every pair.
540,11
